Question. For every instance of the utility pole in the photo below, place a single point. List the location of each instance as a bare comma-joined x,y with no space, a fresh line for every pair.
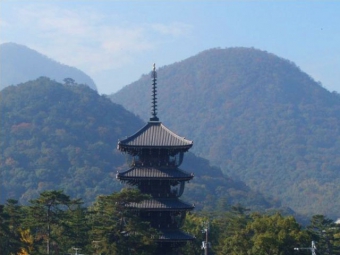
205,244
76,249
312,248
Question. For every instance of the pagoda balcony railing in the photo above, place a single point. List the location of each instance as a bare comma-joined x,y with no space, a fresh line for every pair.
165,220
171,189
163,161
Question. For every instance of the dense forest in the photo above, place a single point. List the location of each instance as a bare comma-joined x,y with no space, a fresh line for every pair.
64,137
256,116
54,223
20,64
61,137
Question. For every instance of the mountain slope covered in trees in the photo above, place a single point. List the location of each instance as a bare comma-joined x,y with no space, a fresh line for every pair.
21,64
56,136
258,117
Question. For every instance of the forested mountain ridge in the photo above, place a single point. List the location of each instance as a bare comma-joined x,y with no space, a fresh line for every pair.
57,136
21,64
258,117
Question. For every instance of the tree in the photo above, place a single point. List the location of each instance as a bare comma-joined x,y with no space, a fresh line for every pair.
47,216
27,242
194,224
326,233
69,81
78,228
275,234
261,235
10,227
232,234
5,237
116,229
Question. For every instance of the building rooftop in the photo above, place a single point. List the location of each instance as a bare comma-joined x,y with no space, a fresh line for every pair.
162,204
155,135
174,235
150,173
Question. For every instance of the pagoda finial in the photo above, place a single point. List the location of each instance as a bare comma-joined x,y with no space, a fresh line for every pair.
154,94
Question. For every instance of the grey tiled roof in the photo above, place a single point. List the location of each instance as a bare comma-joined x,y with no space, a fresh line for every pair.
149,173
174,235
155,135
162,204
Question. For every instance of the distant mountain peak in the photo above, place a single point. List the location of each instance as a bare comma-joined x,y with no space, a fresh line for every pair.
20,64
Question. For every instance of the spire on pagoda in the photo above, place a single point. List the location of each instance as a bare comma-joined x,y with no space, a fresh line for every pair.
154,94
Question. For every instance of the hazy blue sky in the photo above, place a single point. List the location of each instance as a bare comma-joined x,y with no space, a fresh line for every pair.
115,42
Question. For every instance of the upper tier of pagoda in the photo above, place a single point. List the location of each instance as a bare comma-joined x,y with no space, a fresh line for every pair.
156,136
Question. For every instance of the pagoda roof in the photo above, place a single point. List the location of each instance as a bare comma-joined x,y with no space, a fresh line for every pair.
150,173
161,204
154,135
174,235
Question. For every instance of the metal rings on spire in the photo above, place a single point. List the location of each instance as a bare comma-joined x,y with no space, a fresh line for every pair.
154,95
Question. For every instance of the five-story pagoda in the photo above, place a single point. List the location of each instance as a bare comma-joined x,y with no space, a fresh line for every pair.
155,154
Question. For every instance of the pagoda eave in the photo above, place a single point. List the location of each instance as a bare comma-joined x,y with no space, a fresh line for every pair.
137,179
133,148
174,236
154,173
163,204
163,210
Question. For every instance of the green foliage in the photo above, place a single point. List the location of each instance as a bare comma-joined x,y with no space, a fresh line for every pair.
109,227
205,228
275,234
326,234
210,190
60,137
10,221
118,230
48,216
257,117
238,232
55,224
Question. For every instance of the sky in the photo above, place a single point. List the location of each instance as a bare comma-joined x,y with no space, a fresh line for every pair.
116,42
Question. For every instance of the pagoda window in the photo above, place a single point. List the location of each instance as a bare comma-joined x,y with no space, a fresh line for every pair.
177,188
176,160
134,160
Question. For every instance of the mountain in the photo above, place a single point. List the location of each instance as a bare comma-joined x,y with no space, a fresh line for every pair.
57,136
256,116
20,64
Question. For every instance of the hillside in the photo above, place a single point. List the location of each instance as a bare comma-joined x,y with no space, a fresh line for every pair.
56,136
258,117
21,64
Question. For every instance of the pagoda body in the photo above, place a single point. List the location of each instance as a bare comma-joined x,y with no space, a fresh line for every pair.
155,154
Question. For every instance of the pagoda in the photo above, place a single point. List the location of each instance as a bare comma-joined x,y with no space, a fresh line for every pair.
155,154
